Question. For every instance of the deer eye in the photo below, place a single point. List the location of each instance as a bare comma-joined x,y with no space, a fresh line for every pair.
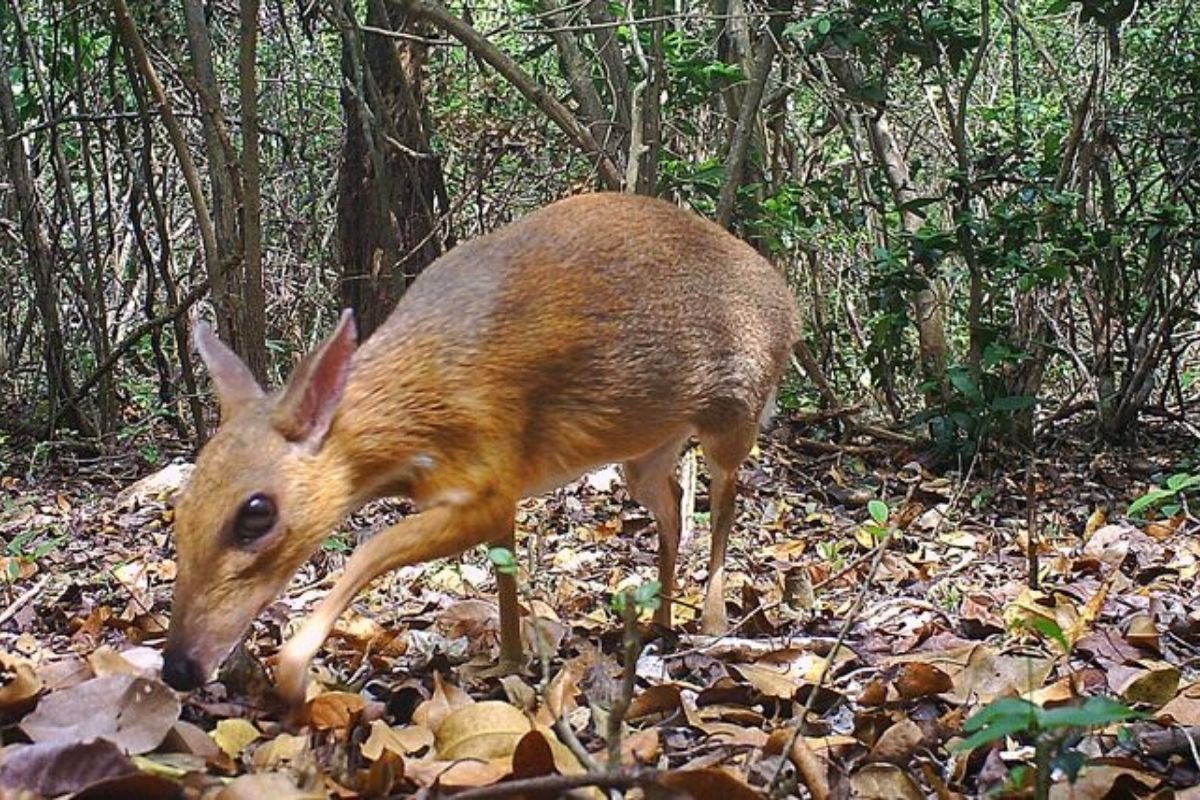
255,518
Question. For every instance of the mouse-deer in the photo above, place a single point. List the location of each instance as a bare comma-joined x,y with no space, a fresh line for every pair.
604,328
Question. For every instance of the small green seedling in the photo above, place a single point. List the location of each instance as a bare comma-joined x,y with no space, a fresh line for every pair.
1155,498
646,597
1055,732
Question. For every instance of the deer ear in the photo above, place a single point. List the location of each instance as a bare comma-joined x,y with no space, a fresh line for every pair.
231,378
305,411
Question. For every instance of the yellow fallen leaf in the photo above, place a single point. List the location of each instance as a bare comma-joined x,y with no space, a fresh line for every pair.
401,741
490,729
234,735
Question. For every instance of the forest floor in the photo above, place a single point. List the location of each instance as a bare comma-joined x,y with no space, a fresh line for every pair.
933,603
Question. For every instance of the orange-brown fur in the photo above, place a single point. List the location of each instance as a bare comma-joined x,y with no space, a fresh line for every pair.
603,328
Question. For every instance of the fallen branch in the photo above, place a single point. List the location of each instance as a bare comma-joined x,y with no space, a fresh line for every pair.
23,600
557,784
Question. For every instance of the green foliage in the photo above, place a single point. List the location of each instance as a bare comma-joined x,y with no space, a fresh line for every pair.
1177,485
644,597
1014,716
975,410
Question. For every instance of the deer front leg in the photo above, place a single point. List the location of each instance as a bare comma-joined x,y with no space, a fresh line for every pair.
439,532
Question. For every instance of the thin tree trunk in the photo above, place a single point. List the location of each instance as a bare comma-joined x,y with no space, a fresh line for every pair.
479,46
739,145
232,292
253,322
927,306
389,184
59,383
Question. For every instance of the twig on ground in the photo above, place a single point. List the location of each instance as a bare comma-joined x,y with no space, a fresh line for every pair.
851,617
562,783
23,600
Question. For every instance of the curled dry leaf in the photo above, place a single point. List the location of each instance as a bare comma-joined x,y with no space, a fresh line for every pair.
133,713
56,768
446,698
404,741
334,710
19,685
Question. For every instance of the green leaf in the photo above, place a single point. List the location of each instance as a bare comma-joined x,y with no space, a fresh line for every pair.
994,732
1150,498
878,511
502,557
647,595
1095,713
1182,481
1013,402
1050,629
824,26
1003,708
961,380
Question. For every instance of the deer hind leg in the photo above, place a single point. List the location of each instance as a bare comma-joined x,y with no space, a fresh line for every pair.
651,481
724,451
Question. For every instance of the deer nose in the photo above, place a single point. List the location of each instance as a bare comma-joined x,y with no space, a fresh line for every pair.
181,672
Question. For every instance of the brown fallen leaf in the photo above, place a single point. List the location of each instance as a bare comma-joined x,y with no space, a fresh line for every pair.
455,774
1183,709
533,757
57,768
184,737
140,786
267,784
285,748
641,747
711,783
1100,781
133,713
813,769
1155,684
884,782
918,679
898,743
334,710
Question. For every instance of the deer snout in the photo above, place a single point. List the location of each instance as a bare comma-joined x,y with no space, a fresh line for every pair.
182,672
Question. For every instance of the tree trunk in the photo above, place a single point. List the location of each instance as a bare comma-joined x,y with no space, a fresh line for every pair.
926,305
389,184
238,323
59,383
